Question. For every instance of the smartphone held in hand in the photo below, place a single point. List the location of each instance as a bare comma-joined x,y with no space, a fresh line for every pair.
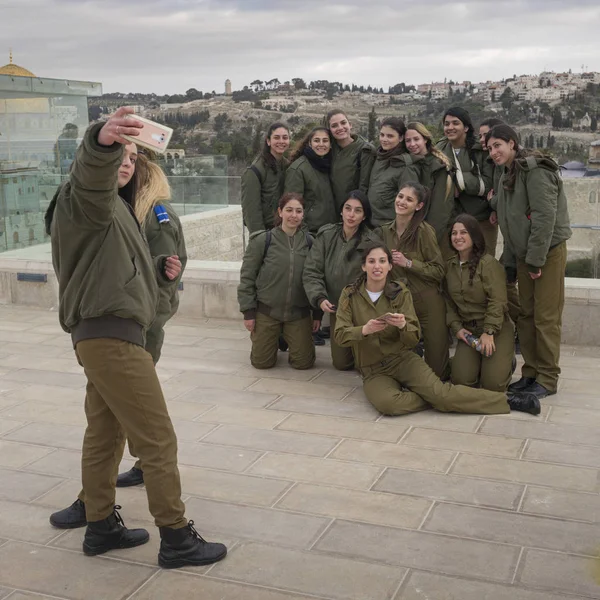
385,318
154,136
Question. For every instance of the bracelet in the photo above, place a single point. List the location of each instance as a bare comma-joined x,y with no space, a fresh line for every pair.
408,263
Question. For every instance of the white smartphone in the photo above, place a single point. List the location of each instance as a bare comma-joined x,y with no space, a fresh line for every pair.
153,135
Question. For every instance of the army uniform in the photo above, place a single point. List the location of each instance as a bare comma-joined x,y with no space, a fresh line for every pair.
271,292
395,380
472,190
535,225
262,187
346,167
333,262
424,282
480,307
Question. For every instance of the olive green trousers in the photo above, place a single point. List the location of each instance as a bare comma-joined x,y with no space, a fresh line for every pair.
490,235
341,357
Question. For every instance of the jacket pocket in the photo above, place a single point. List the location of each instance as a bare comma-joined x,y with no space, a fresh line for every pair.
135,273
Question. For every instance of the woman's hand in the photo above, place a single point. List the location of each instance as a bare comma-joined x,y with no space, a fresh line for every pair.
461,335
373,326
327,307
399,259
172,267
249,324
487,344
119,123
494,218
397,320
490,195
316,325
536,275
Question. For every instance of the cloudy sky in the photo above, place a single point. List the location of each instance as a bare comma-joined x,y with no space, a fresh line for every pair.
168,46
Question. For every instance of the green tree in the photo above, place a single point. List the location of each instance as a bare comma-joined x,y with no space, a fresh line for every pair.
220,121
372,131
594,123
299,83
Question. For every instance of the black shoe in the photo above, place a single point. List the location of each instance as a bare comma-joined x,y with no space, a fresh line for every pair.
282,344
110,534
186,547
521,385
525,402
419,349
325,332
134,476
318,340
71,517
539,391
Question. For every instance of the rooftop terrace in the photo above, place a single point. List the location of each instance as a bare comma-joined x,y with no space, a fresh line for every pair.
316,494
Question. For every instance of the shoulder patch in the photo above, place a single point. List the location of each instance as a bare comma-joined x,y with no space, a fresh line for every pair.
161,214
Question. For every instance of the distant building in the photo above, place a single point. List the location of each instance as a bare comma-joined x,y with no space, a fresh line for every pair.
228,87
594,155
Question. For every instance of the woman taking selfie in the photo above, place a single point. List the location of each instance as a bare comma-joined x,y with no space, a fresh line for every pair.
271,294
376,318
386,169
477,305
435,176
308,175
533,216
346,152
263,180
472,175
416,258
334,261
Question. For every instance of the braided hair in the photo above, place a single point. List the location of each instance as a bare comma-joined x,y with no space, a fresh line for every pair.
474,230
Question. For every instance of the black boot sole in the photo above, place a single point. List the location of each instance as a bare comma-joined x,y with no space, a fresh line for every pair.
125,484
75,525
177,563
96,550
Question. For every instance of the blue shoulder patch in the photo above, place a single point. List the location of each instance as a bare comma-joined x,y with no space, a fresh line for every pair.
161,214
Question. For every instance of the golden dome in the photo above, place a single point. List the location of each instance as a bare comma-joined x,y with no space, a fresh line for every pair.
15,70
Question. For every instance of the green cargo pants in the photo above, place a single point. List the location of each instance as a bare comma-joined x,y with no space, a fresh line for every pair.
342,358
265,337
405,384
490,235
124,399
540,322
514,304
470,367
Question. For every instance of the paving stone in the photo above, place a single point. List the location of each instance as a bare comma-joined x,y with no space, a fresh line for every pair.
26,523
268,526
331,376
29,596
238,357
185,351
574,416
191,431
217,380
278,441
414,548
7,425
205,332
68,380
510,528
281,371
451,488
23,487
25,337
54,394
249,417
370,507
15,455
555,571
575,400
62,463
55,435
50,571
316,470
197,364
186,411
474,443
310,573
227,344
562,504
437,420
36,410
301,388
585,456
343,427
218,397
575,478
5,592
391,455
325,406
424,586
232,487
61,495
199,454
576,386
172,389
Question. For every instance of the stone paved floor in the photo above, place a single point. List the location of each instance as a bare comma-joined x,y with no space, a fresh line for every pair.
315,494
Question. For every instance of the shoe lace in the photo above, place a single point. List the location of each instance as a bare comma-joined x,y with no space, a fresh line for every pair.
195,533
118,517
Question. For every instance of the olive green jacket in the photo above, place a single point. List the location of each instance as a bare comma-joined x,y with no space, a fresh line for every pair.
166,239
383,180
427,271
355,309
99,251
260,195
435,176
315,187
533,217
333,262
346,169
472,188
484,301
271,283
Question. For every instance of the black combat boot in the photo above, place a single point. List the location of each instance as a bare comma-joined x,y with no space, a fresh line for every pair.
110,534
521,385
185,547
525,402
70,517
134,476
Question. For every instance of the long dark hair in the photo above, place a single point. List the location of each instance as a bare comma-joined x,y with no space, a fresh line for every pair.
491,122
365,225
473,228
462,115
305,141
410,237
507,134
355,285
398,126
287,197
265,151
